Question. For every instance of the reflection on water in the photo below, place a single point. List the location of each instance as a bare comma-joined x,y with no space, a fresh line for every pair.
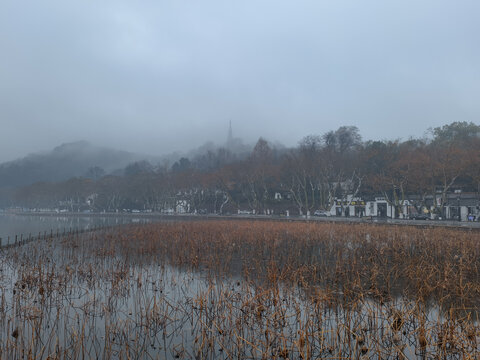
94,296
11,225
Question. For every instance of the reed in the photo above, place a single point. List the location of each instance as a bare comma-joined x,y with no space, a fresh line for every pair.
243,290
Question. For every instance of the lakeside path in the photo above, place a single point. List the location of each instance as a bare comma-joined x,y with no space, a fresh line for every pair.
332,219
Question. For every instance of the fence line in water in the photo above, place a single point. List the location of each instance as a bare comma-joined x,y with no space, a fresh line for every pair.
19,240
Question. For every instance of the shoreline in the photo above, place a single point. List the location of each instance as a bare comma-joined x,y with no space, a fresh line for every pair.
193,217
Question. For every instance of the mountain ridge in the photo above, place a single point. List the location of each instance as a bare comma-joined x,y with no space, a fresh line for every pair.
63,162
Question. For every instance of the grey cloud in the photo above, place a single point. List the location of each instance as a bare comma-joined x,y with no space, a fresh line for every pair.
156,77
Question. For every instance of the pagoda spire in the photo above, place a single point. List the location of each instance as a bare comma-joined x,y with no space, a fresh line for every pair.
230,135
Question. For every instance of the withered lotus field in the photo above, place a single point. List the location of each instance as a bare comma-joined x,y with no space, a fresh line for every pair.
243,290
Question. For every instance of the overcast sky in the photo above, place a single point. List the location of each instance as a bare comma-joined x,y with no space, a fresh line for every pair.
159,76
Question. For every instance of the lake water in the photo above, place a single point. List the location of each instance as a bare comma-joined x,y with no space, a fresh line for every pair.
213,291
88,296
11,225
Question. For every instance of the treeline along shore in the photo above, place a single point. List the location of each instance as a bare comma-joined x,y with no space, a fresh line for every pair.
436,177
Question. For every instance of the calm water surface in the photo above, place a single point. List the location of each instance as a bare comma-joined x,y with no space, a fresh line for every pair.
11,225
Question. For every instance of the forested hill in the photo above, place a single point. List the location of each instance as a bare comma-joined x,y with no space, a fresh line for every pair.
63,162
321,168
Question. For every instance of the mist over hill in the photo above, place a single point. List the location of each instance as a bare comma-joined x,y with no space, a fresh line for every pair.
84,159
63,162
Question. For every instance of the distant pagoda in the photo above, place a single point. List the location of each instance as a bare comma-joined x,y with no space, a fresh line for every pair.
230,137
